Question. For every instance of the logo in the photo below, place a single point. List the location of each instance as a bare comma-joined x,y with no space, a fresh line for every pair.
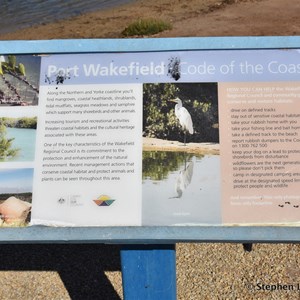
104,200
70,200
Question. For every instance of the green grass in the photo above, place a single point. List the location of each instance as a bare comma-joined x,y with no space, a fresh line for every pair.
146,27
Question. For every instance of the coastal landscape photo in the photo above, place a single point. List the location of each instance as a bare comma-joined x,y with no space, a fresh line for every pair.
17,138
15,196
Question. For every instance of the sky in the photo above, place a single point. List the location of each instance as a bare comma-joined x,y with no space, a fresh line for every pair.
16,180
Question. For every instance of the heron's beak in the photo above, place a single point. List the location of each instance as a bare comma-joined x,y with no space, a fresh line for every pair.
173,100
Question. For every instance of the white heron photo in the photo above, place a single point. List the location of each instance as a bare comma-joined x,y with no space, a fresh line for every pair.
181,161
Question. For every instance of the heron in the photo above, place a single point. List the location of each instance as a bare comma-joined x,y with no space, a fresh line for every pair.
184,117
184,179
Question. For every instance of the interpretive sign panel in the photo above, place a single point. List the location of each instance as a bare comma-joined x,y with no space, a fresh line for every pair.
156,138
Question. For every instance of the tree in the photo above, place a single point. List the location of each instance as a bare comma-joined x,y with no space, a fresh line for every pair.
6,149
201,101
158,120
26,122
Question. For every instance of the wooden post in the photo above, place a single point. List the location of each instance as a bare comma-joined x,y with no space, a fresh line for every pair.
149,272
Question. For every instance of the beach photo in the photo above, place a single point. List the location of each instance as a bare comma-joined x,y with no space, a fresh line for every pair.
19,80
15,196
17,138
181,161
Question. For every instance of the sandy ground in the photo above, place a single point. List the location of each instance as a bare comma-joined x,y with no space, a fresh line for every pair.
204,271
153,144
192,18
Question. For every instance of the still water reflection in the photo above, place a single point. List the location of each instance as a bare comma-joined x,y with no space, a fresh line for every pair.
180,188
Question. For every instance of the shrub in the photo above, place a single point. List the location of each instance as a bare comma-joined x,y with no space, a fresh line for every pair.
146,27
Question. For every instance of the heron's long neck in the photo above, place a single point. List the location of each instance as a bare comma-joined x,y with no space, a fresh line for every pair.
179,104
177,107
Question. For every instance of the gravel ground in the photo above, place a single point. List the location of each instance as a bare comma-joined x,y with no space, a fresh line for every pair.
204,271
226,271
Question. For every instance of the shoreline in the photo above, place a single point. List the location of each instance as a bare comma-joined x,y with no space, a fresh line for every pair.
154,144
195,19
42,14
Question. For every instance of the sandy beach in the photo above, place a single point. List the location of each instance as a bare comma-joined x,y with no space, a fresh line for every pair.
197,18
204,270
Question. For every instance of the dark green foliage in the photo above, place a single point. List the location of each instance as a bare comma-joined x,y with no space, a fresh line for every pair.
25,122
159,121
146,27
200,99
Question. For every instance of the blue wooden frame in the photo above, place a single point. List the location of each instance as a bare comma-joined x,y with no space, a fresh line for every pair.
149,235
149,44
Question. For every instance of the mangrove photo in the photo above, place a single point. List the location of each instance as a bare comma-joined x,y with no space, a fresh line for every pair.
17,139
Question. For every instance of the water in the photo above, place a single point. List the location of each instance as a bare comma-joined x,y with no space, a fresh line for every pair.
181,189
25,141
17,14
